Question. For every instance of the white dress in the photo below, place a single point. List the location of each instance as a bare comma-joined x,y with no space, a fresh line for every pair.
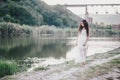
82,50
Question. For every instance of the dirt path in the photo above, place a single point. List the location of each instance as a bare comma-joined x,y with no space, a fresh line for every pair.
72,71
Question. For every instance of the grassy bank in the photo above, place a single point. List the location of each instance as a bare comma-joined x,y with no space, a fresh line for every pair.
11,30
46,30
7,68
103,69
52,30
15,30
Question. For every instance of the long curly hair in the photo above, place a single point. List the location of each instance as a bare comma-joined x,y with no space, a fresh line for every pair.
86,27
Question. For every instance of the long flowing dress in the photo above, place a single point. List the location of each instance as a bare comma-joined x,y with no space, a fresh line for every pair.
82,50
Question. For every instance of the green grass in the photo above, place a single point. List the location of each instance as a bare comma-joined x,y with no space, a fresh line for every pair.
53,30
103,69
8,29
7,68
12,29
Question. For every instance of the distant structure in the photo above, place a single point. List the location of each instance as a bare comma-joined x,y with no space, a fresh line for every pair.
86,14
89,19
116,27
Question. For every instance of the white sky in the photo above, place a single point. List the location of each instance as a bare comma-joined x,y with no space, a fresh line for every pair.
93,10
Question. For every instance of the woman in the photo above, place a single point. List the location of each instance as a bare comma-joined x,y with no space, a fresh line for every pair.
82,39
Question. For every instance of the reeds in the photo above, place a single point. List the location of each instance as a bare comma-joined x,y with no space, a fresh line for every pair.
7,67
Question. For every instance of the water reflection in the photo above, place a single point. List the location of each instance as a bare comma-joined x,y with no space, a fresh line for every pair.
39,51
19,48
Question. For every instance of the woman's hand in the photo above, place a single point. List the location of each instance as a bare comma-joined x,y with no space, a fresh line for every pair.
84,44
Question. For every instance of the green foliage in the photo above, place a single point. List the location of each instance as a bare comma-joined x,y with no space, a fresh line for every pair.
11,29
36,12
7,68
15,13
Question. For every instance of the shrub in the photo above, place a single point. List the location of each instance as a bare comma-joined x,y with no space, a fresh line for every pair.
7,68
11,29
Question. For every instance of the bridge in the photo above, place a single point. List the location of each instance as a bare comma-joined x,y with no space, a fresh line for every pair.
86,8
84,5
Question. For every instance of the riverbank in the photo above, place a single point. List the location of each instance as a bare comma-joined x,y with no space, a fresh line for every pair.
100,65
8,29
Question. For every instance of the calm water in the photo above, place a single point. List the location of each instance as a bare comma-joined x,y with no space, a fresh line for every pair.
50,50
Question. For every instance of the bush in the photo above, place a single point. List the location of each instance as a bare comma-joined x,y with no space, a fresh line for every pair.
7,68
11,29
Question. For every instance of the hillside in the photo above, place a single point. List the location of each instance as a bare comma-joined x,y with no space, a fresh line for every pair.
36,13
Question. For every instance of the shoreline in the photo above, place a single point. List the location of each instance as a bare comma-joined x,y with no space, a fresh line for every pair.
72,71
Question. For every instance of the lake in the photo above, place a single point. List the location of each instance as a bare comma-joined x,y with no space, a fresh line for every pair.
43,51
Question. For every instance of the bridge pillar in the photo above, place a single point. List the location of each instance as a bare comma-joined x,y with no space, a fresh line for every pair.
86,14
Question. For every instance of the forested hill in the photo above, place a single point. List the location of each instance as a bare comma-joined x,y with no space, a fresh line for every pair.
36,12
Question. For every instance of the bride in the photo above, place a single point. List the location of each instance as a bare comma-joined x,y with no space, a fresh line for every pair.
78,53
82,39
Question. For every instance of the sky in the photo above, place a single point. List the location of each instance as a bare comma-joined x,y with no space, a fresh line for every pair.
92,10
